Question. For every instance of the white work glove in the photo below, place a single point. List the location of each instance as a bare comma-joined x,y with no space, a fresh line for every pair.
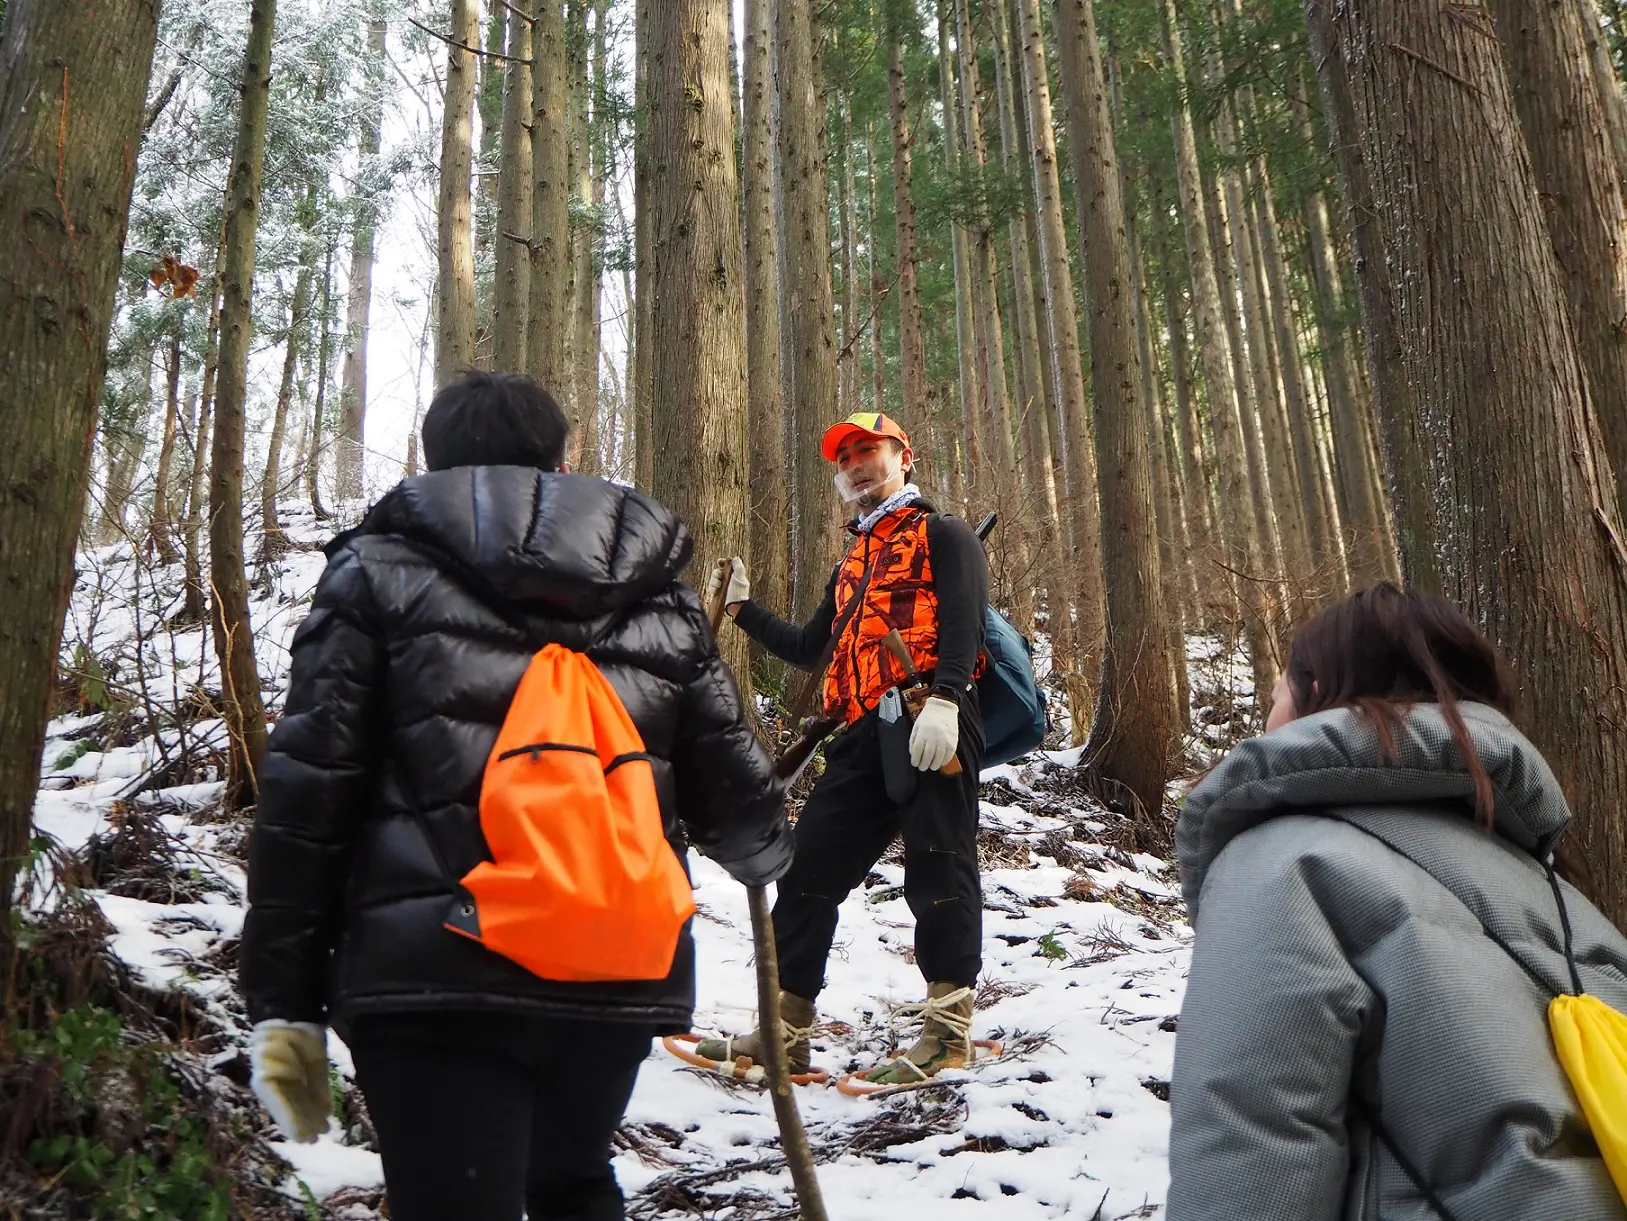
739,587
290,1076
936,734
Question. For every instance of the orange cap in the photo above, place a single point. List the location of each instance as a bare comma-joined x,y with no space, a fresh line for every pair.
871,423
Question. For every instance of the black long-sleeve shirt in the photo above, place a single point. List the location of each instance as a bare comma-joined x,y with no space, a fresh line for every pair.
960,579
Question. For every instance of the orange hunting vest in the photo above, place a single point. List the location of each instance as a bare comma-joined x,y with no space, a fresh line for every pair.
900,595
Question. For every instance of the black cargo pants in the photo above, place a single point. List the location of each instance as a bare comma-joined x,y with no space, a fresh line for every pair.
846,826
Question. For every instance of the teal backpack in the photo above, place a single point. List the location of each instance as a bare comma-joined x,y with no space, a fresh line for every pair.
1013,705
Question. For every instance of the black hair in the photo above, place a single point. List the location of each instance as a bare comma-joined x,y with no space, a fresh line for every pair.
494,419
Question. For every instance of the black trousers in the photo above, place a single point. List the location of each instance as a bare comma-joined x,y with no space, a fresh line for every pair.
846,826
483,1116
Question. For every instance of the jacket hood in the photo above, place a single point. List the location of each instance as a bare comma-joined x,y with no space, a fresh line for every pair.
573,545
1334,759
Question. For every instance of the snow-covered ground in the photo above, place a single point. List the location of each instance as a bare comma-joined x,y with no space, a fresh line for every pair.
1085,955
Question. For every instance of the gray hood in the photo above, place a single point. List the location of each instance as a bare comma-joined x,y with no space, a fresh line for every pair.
1334,759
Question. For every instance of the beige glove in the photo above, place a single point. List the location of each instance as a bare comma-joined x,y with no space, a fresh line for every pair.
739,587
290,1076
936,734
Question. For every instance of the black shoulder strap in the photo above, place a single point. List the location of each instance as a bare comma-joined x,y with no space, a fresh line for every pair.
1360,1105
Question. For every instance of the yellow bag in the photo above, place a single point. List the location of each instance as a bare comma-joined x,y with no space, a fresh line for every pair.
1591,1039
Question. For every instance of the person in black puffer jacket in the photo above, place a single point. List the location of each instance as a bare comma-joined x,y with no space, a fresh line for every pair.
491,1089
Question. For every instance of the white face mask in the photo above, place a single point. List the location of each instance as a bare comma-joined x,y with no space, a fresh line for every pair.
867,478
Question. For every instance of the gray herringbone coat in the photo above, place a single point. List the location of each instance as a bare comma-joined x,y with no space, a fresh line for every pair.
1331,974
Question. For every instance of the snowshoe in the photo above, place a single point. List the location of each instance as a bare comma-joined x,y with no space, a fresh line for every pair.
742,1058
945,1043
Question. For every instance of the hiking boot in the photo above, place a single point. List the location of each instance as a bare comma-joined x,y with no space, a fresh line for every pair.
945,1042
796,1027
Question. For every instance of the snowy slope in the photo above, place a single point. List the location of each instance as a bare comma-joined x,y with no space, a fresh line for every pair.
1085,954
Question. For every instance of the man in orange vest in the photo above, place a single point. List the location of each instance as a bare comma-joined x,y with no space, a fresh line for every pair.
924,574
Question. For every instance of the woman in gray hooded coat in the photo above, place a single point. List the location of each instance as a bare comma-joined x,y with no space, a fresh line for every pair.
1364,1035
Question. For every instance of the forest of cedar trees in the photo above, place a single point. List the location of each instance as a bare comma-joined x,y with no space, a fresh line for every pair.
1226,307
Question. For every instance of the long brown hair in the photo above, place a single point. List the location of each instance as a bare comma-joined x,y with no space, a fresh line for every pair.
1385,649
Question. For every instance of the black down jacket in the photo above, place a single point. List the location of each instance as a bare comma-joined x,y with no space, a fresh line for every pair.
402,674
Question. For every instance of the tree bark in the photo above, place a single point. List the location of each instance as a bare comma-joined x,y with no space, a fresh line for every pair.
512,291
969,384
643,428
1327,555
234,635
994,401
806,309
699,309
1608,85
1067,376
73,83
1238,532
455,285
550,200
1356,479
1523,496
350,435
1397,412
1579,180
585,277
770,502
1133,736
911,332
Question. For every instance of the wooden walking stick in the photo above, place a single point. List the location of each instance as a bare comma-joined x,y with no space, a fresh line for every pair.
793,1138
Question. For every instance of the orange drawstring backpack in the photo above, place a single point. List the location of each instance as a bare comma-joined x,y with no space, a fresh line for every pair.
582,885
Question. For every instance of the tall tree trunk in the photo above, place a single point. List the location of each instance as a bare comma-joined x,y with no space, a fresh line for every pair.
770,502
1579,180
1608,85
806,324
1133,736
994,403
1237,529
877,294
73,81
590,257
911,332
234,635
318,430
351,433
125,442
1067,376
1320,515
195,600
1229,274
1397,412
273,540
847,372
160,525
699,314
1356,478
643,427
512,291
1197,472
550,200
971,371
1524,499
455,282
